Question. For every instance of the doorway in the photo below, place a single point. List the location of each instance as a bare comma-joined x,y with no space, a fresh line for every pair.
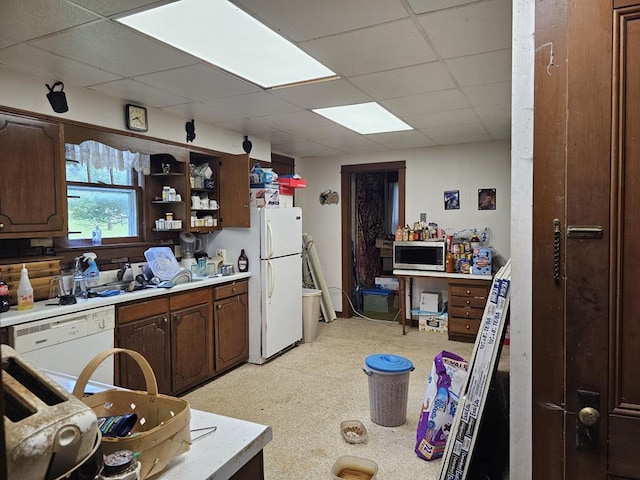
367,192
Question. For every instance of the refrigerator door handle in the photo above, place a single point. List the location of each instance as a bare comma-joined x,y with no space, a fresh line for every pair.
271,282
269,240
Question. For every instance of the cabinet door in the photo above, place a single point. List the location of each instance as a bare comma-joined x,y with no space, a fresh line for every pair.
231,330
32,183
191,346
150,337
233,174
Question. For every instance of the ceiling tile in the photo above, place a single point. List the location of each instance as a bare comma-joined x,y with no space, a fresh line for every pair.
102,44
484,68
460,140
442,119
423,6
432,102
47,65
323,94
456,131
29,19
373,49
118,6
198,82
299,119
407,139
138,93
477,28
370,148
319,133
424,78
489,94
309,148
305,20
499,129
493,113
343,143
252,105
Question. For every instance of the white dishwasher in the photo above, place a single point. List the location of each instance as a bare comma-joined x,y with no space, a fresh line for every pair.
66,343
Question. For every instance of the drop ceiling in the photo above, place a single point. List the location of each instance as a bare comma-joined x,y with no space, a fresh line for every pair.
442,66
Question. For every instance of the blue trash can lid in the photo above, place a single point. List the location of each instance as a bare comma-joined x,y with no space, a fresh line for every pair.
385,362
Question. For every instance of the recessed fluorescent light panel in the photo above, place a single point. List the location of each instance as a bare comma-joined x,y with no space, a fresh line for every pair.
364,118
222,34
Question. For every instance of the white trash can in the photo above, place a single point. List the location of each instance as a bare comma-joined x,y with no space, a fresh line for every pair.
310,313
388,388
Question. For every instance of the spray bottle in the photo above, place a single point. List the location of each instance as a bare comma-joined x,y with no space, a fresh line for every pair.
91,274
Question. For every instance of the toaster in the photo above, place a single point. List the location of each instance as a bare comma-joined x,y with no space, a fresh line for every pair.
48,432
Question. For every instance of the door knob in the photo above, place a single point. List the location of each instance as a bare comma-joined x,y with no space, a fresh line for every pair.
589,416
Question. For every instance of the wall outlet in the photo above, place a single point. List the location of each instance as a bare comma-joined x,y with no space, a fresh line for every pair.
223,253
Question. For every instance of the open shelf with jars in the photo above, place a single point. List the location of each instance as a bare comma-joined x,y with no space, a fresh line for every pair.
166,192
203,193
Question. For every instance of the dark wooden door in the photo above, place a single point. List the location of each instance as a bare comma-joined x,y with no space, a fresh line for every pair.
233,180
191,346
586,321
231,330
32,183
150,337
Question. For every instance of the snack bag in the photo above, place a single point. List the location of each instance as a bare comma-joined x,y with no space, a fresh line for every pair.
447,377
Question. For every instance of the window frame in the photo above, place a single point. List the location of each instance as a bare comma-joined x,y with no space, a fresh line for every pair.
139,192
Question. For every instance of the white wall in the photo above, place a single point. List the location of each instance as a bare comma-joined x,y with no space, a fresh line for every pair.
430,171
28,92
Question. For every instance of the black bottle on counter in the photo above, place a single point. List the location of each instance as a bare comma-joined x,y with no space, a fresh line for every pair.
243,262
4,297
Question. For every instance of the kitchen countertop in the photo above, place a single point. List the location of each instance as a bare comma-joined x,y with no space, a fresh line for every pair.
41,310
216,455
428,273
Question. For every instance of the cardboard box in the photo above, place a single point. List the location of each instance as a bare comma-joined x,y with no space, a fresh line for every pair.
481,261
286,201
433,323
431,301
292,182
264,195
389,283
387,244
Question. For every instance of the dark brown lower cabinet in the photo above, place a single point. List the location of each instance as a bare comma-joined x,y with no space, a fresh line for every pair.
231,313
144,327
187,338
191,340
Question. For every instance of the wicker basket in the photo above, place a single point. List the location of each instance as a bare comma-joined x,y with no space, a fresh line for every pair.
162,430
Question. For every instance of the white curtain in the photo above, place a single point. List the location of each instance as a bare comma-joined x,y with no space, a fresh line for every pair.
393,206
99,155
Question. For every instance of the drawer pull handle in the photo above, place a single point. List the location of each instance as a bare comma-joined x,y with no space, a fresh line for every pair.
468,326
233,289
468,302
468,292
466,313
219,307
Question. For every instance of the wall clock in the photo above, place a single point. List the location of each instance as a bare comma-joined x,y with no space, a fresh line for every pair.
136,118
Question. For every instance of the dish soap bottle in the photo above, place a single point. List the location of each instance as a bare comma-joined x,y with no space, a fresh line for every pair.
25,290
243,262
96,236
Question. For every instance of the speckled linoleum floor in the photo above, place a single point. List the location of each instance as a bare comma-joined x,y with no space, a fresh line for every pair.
305,393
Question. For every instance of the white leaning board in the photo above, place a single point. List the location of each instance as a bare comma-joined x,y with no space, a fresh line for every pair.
458,453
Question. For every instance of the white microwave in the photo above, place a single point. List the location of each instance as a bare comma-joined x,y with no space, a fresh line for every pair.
420,255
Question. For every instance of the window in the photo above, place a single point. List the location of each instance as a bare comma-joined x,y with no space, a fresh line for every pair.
103,189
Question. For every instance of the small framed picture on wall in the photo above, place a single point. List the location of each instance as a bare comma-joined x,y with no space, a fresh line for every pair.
486,199
452,200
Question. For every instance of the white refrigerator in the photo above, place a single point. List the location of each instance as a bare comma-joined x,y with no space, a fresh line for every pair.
273,245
